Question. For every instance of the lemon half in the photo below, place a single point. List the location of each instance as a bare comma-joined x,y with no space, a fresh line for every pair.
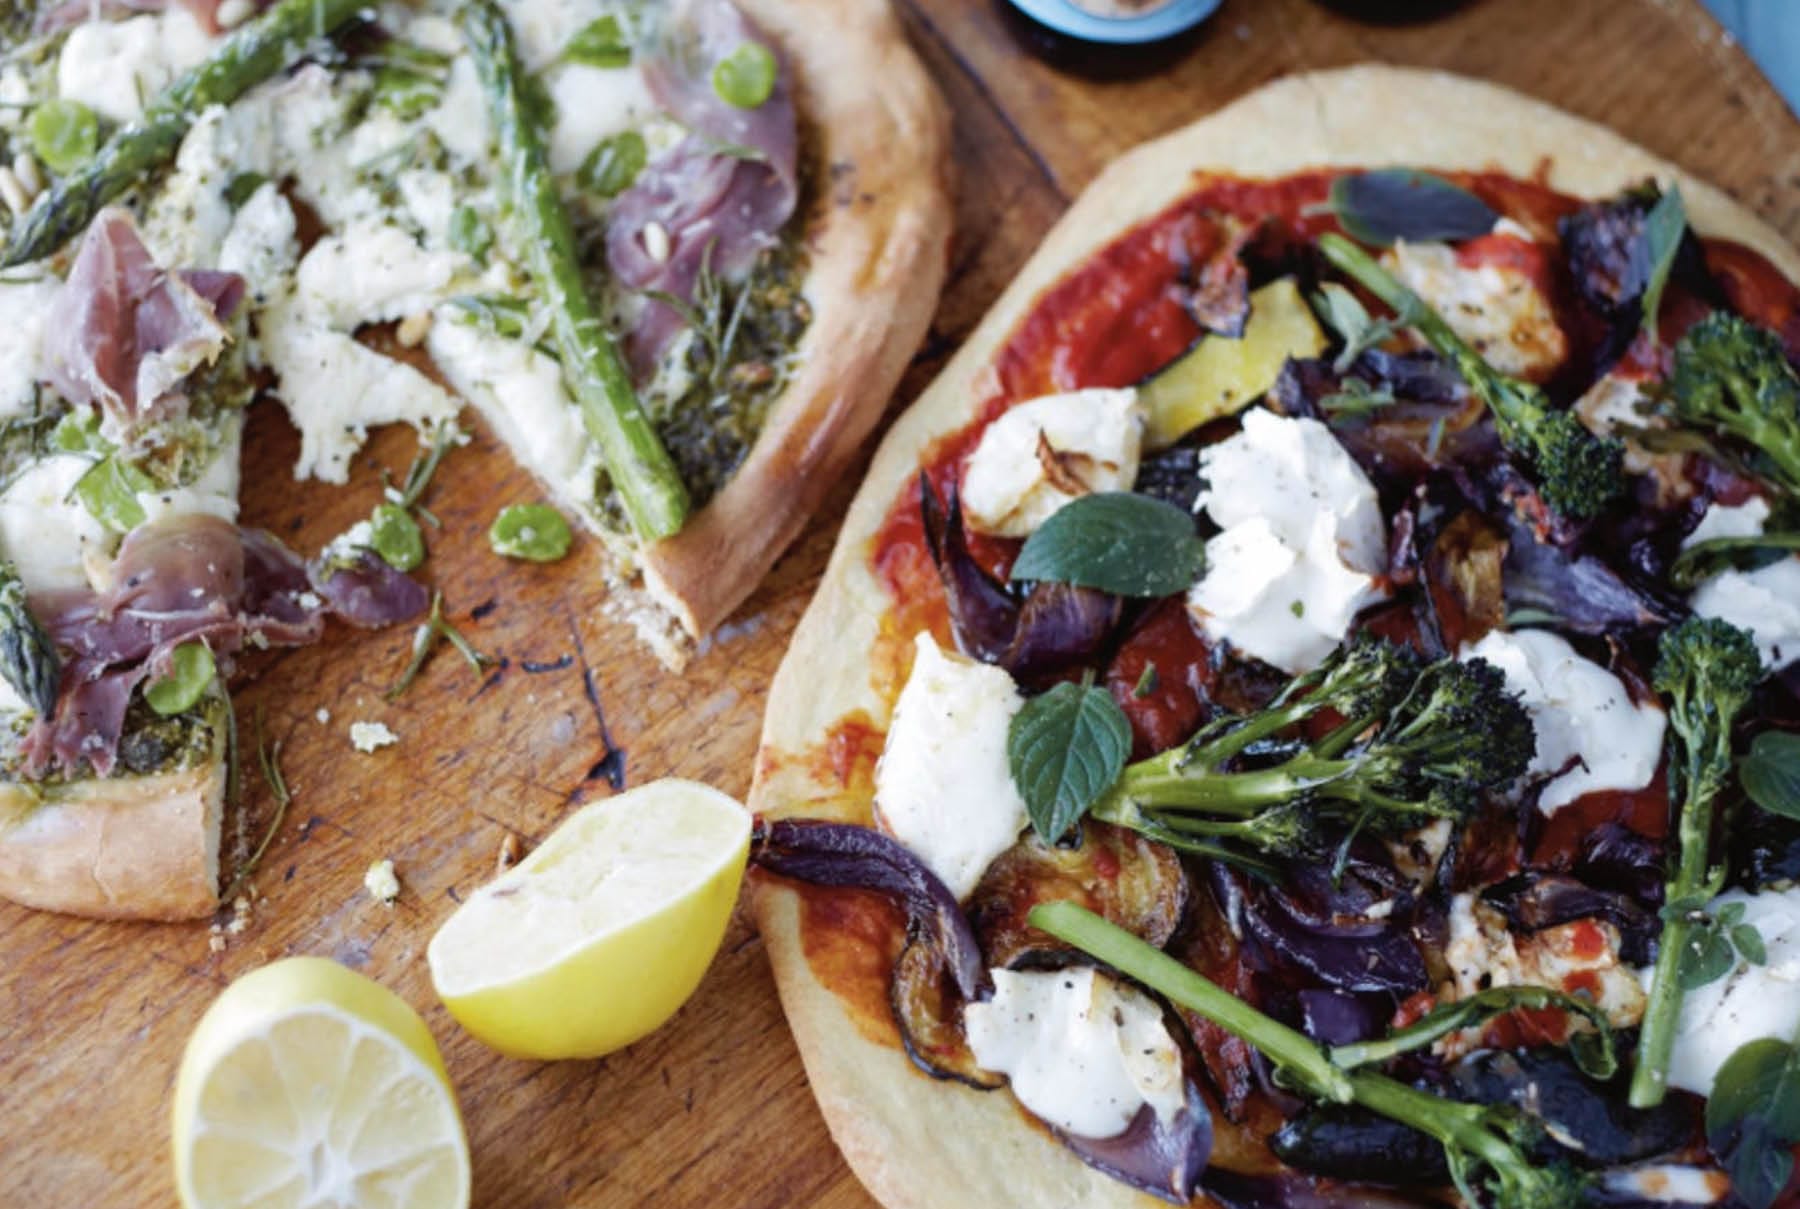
308,1086
602,933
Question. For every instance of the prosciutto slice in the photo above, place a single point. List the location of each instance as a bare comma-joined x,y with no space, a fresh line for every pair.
123,334
179,579
721,195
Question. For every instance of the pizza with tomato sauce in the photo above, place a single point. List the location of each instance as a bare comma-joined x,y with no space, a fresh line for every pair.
1301,712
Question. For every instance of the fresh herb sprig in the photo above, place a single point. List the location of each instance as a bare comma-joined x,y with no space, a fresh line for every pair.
1118,542
436,629
1066,748
1753,1119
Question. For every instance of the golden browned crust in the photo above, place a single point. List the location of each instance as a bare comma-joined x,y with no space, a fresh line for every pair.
118,848
879,245
915,1142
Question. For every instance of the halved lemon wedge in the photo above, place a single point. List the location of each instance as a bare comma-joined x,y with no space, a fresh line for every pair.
308,1086
602,933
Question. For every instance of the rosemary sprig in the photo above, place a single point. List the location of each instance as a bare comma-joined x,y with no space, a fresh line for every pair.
434,630
269,757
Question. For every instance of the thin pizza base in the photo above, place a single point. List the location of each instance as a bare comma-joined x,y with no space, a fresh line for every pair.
916,1142
147,848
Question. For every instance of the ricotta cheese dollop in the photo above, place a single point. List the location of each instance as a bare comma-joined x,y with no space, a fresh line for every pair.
1090,439
1729,520
1081,1051
1750,1003
1581,712
943,785
1301,546
1765,602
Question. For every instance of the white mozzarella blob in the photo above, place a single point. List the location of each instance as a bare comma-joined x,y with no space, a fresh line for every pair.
1765,602
520,391
1668,1184
1497,309
262,245
1096,436
189,216
47,532
1301,545
1080,1051
593,103
1750,1003
1581,713
335,390
1730,520
370,273
943,785
22,309
114,67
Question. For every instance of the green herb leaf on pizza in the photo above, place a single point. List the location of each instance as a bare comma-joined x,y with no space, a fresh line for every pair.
1118,542
1771,773
1391,204
1066,748
1664,228
1753,1119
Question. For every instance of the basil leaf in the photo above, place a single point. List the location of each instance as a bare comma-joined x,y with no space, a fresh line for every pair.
191,670
1771,773
1066,748
1391,204
1753,1119
1118,542
600,43
1664,228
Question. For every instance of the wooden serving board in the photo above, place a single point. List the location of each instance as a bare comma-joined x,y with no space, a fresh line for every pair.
714,1110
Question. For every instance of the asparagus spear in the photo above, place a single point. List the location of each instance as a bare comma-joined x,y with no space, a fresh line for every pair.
27,656
260,49
655,497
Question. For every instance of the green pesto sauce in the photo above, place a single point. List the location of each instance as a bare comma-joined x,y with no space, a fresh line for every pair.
150,745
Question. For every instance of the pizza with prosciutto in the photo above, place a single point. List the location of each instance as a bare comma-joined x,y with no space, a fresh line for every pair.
1301,711
675,254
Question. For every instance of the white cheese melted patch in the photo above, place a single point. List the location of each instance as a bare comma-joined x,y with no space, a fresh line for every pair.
22,309
1302,541
1080,1051
114,67
47,532
1748,1004
520,391
1497,309
370,273
594,103
943,785
1765,602
1095,436
1580,711
1729,520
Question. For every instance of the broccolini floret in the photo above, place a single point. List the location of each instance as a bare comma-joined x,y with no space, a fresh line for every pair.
1577,472
1411,741
1733,377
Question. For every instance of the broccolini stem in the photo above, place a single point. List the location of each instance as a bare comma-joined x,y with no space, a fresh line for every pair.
1293,1052
261,49
28,658
1158,785
650,487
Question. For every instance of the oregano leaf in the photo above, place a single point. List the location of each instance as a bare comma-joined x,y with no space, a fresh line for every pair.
1118,542
1066,747
1390,204
1664,228
1771,773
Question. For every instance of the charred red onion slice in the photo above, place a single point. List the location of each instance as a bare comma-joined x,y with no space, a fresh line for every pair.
1164,1159
845,855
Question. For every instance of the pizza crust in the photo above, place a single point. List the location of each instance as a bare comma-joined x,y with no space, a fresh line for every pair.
920,1144
120,848
880,243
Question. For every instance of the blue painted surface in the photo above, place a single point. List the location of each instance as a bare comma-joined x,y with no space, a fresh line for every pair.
1064,17
1770,31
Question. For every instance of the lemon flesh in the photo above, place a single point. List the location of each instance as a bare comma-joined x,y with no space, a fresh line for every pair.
308,1086
602,933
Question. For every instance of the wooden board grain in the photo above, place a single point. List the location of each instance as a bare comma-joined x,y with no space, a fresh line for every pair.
713,1110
